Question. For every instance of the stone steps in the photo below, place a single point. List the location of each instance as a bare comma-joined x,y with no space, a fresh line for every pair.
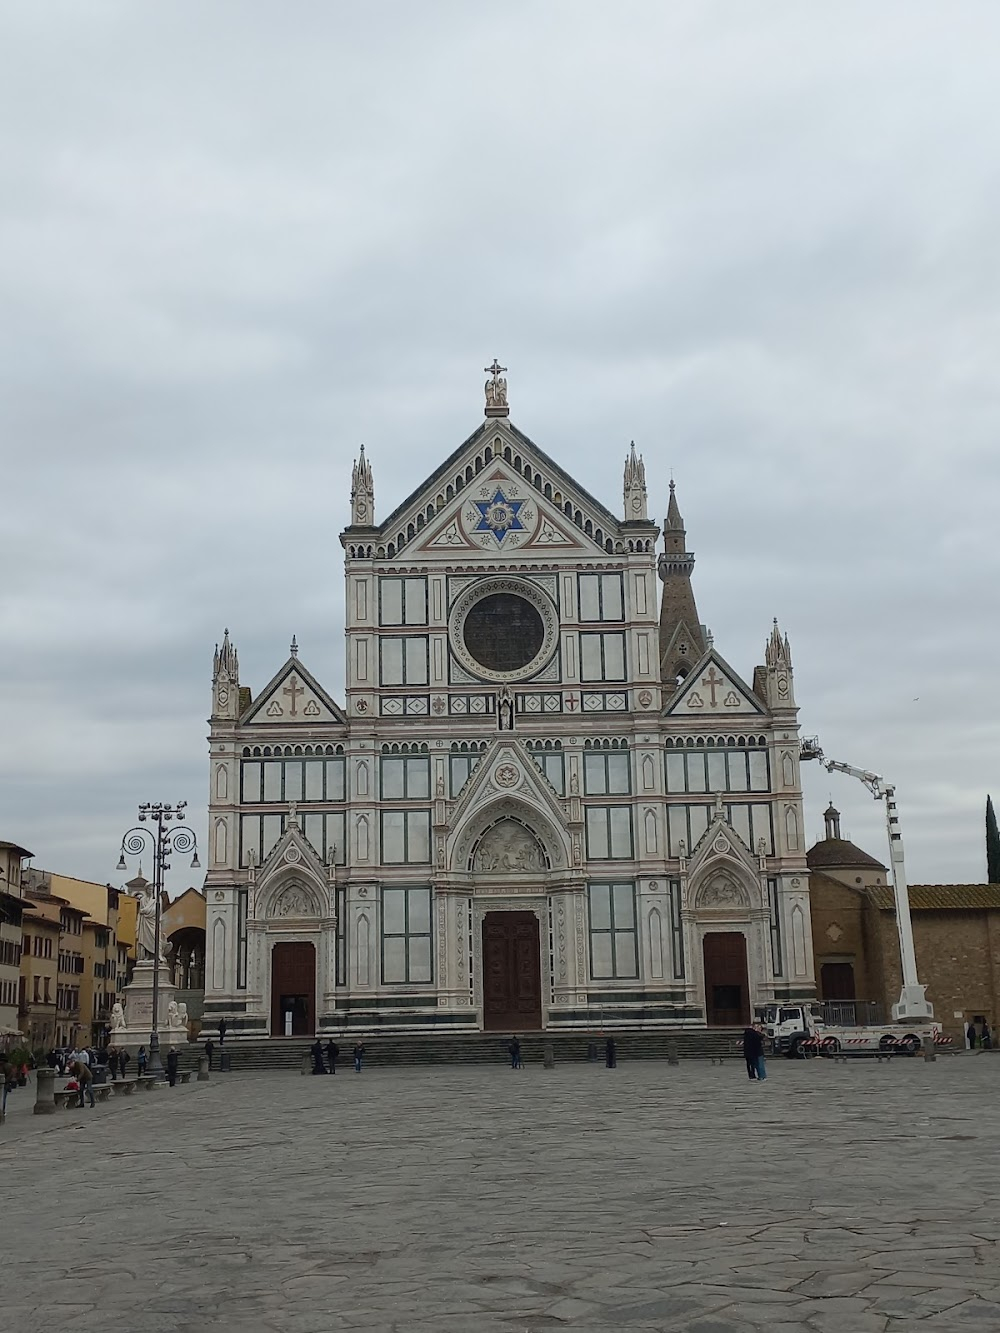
487,1048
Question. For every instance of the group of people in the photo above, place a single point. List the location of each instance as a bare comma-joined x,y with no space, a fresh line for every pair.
983,1038
332,1052
753,1052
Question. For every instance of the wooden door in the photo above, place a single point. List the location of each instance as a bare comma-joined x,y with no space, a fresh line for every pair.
512,973
293,990
727,992
837,981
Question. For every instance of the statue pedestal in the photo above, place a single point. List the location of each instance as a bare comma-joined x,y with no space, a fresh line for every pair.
138,1002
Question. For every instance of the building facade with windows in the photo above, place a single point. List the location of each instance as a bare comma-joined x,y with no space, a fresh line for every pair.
11,913
544,800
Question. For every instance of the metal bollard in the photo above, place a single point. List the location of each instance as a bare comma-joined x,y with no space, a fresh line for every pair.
549,1055
45,1100
672,1056
3,1088
203,1075
929,1053
592,1052
306,1064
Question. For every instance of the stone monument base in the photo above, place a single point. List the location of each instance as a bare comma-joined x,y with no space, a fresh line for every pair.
138,1002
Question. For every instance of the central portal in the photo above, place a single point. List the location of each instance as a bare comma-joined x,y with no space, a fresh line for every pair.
512,972
293,990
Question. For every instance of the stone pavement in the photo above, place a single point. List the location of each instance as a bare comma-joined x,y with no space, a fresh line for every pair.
837,1199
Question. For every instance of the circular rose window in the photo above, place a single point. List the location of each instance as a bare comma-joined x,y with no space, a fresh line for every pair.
503,629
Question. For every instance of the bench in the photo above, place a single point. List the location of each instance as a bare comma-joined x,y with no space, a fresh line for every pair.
184,1076
102,1091
66,1099
123,1088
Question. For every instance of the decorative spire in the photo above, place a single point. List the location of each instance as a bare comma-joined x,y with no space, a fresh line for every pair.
674,521
496,390
635,486
293,648
362,493
226,662
777,653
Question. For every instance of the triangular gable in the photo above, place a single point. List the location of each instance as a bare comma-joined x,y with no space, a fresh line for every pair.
501,515
713,689
503,769
291,697
539,506
292,850
720,839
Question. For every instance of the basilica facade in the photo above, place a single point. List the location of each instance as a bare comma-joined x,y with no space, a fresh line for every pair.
543,800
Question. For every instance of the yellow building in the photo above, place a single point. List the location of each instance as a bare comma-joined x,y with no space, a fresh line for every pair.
39,1016
11,914
99,953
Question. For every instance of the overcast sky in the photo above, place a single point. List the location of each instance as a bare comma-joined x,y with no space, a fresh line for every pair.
239,239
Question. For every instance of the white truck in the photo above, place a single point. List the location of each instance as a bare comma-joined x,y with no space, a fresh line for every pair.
798,1030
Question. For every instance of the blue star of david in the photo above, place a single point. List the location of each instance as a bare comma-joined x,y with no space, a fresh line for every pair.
499,516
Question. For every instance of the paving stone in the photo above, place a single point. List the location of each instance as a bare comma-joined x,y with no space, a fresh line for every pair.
459,1201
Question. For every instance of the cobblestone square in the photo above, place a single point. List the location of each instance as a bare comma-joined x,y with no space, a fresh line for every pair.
839,1199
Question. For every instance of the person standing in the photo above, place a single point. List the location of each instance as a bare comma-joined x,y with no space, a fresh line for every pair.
209,1051
514,1049
986,1039
359,1055
223,1029
332,1051
316,1051
970,1036
761,1066
753,1050
610,1054
123,1059
171,1066
141,1060
85,1080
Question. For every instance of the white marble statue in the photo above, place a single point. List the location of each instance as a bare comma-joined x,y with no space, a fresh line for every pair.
173,1016
145,929
182,1014
117,1016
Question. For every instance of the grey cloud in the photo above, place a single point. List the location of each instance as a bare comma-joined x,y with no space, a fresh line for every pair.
759,240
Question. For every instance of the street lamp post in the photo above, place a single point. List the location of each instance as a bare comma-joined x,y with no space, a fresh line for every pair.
164,841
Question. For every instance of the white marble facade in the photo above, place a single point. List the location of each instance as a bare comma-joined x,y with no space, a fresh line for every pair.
522,812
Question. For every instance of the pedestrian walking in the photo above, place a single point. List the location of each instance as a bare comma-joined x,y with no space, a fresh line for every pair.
610,1054
332,1051
85,1080
514,1050
359,1055
209,1051
171,1067
141,1060
753,1049
223,1029
123,1059
9,1076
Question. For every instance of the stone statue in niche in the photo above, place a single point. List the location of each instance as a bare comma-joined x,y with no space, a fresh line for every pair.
509,848
505,710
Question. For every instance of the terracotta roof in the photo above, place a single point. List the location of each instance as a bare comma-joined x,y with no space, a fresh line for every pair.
939,897
838,853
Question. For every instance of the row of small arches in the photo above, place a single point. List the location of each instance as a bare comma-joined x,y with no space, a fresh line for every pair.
468,747
406,747
712,742
599,743
288,751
